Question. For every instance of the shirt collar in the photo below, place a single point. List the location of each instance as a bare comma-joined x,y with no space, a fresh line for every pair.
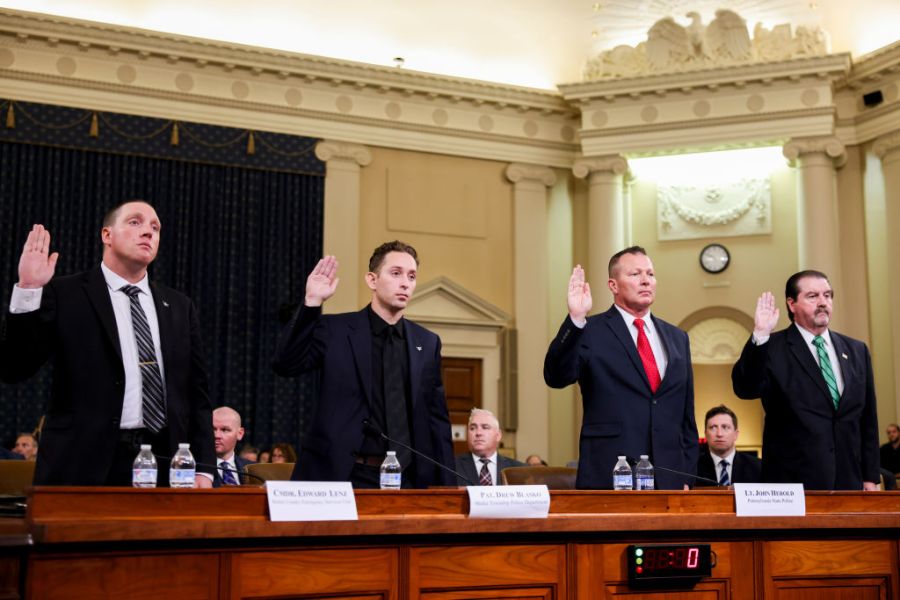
808,335
492,458
718,459
378,325
629,318
116,281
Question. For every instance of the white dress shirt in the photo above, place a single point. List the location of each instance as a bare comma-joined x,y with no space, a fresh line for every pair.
492,466
808,337
717,460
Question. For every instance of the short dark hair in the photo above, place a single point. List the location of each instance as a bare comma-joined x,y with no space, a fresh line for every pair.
720,410
381,251
792,287
614,261
109,219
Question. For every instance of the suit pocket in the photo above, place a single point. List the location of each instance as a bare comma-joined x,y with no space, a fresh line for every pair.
611,429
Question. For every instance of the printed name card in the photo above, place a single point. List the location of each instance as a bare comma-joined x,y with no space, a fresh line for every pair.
769,499
509,501
311,501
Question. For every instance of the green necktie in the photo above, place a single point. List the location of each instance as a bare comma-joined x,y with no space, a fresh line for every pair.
827,373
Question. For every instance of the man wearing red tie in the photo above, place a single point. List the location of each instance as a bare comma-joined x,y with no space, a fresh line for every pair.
635,374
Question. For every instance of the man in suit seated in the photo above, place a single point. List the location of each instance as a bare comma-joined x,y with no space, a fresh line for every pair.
723,463
482,464
890,452
26,446
228,432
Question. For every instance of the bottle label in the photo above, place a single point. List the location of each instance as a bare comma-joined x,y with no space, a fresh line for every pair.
645,483
622,482
144,477
390,480
181,477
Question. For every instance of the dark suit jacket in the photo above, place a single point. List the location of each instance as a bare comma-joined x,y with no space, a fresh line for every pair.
75,330
621,414
466,466
804,439
339,347
746,469
239,463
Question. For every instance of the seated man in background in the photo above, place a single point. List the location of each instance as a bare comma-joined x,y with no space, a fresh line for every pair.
482,464
890,452
27,446
534,460
228,432
249,453
723,463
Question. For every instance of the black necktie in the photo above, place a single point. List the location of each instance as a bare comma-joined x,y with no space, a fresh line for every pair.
724,479
395,394
152,392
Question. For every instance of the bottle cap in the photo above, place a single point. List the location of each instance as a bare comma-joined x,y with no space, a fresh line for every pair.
183,446
622,457
392,453
644,457
145,447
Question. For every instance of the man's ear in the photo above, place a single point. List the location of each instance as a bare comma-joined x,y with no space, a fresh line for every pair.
104,235
370,280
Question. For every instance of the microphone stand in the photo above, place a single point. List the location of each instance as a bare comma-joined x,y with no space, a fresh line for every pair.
209,466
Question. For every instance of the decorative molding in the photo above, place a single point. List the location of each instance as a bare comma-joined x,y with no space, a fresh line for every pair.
739,208
614,164
717,341
886,144
671,47
521,173
328,150
445,302
830,146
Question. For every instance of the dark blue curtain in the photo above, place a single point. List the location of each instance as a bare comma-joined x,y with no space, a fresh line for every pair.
239,240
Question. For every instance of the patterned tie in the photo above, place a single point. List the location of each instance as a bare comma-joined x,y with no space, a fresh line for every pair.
151,381
646,353
227,473
827,373
484,477
724,479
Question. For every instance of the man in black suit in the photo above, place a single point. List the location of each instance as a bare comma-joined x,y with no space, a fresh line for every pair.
126,357
635,374
227,431
817,389
378,373
890,452
482,465
723,463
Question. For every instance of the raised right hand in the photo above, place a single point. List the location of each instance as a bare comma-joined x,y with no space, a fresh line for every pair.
766,316
37,265
322,282
579,299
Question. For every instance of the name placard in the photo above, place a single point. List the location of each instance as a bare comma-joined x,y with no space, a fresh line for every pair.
509,501
769,499
311,501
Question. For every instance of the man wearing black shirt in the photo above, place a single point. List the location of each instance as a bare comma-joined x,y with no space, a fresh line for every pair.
890,452
375,367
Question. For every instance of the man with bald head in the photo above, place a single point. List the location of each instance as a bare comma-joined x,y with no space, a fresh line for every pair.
227,431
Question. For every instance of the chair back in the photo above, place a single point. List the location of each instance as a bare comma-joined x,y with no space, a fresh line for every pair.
555,478
15,476
268,471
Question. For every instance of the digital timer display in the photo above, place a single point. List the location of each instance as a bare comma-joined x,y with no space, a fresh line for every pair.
669,562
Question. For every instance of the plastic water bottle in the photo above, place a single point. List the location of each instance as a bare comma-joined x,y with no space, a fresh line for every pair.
183,468
643,474
390,472
622,475
143,474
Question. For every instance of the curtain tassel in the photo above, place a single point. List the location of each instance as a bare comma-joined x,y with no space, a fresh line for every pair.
95,126
10,116
251,144
174,139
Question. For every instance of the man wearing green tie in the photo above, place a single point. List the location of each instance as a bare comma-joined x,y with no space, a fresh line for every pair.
817,389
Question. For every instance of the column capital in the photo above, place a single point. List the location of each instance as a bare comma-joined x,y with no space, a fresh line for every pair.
521,172
884,145
327,150
827,145
612,163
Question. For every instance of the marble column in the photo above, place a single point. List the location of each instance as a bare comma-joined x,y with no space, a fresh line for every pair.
340,235
818,227
531,301
607,217
887,148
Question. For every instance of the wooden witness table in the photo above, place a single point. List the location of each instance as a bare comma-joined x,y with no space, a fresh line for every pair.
141,543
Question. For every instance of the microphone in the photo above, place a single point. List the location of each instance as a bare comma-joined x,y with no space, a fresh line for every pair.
209,466
633,460
370,429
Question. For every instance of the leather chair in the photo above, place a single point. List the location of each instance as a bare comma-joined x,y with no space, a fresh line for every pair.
268,471
15,476
555,478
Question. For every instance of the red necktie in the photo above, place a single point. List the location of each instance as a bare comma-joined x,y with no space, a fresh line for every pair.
646,352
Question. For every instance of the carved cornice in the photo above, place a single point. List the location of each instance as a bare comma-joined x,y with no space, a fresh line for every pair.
886,144
872,67
830,146
520,173
327,150
614,164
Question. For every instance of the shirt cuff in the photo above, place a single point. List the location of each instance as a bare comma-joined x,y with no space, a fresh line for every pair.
577,324
759,341
25,300
207,475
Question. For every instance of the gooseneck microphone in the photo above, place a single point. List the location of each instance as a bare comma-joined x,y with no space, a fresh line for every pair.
209,466
370,429
632,460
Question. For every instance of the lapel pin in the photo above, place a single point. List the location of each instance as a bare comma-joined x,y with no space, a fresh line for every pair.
844,356
166,304
419,348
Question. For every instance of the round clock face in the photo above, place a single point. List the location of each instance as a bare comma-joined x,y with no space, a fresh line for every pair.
714,258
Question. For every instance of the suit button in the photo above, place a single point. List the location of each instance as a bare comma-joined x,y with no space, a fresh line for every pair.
654,402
